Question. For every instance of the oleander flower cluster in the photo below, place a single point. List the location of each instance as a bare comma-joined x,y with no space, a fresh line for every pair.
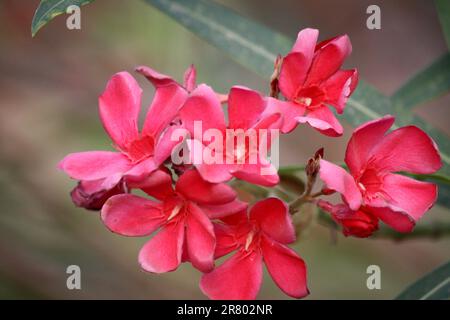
184,162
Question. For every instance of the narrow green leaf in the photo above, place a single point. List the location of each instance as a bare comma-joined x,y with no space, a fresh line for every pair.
434,286
443,8
429,83
48,9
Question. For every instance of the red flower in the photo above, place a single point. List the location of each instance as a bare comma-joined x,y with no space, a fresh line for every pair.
182,214
245,108
138,153
260,236
373,157
310,79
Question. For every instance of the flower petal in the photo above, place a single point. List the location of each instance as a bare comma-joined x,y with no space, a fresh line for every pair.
133,216
363,140
261,173
165,105
203,107
238,278
286,268
156,78
406,194
272,216
288,110
200,238
406,149
167,144
119,107
336,178
293,74
225,239
397,220
223,210
142,169
339,87
158,184
324,121
163,252
211,172
328,59
306,43
245,107
191,185
94,165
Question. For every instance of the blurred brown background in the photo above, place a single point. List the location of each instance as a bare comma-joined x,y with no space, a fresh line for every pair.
49,87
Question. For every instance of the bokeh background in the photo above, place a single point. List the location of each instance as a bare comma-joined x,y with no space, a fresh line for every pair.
49,87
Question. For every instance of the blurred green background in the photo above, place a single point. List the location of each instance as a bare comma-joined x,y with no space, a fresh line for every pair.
49,87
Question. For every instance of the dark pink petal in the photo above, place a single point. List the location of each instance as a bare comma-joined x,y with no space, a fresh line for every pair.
165,105
406,149
211,172
261,173
288,110
119,107
292,74
339,87
225,239
363,140
156,78
200,238
203,106
142,169
397,220
223,210
328,59
322,119
272,216
336,178
406,194
238,278
94,165
306,43
245,107
158,185
130,215
192,186
286,268
163,252
167,143
190,78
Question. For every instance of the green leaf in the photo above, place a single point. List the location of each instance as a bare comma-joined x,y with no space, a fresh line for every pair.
430,83
434,286
48,9
443,8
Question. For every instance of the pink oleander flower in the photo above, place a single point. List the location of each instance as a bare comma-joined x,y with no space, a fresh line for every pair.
242,161
182,215
373,187
310,79
138,153
258,237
